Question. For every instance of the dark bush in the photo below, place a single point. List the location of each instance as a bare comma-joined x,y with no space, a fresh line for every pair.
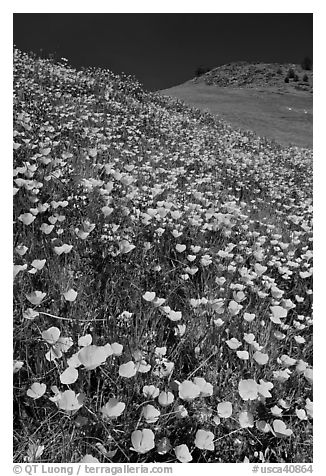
286,80
291,73
296,78
305,78
307,63
201,70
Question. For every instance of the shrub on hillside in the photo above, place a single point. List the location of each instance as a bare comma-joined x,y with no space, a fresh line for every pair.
201,70
291,73
305,78
306,63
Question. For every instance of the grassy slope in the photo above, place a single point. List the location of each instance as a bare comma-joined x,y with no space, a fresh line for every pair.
121,178
262,110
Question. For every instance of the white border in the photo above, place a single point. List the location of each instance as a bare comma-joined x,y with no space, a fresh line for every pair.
188,6
168,6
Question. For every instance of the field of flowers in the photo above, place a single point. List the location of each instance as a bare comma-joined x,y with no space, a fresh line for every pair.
162,278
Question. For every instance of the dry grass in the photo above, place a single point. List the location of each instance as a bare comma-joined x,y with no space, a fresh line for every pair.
262,110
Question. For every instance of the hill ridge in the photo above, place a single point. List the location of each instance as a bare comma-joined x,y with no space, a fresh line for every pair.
258,74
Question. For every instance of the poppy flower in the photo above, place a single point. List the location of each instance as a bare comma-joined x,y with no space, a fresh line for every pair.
182,453
204,440
142,440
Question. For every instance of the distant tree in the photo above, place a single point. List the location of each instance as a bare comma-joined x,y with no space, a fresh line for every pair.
201,70
307,63
286,79
305,78
279,71
296,78
291,73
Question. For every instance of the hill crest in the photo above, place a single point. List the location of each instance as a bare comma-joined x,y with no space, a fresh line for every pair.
258,74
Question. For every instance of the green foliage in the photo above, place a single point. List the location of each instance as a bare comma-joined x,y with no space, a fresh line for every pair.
307,63
201,70
291,73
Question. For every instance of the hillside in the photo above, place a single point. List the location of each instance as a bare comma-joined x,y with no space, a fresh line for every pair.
162,279
255,97
256,75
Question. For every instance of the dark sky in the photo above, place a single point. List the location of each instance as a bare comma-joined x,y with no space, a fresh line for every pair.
165,49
